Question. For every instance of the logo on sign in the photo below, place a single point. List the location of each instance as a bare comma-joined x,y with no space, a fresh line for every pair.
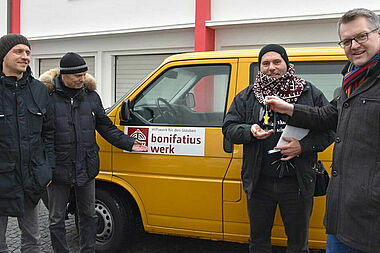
140,134
170,140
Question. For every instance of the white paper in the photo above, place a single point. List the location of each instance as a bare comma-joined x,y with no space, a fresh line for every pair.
291,132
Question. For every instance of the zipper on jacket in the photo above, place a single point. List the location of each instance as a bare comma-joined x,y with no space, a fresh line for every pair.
74,178
19,137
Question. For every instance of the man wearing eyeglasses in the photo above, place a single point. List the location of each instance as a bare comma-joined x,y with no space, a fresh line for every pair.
352,217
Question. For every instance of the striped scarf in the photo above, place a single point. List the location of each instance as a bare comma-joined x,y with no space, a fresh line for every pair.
355,76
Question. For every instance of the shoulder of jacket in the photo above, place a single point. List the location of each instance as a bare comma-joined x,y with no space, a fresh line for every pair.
37,85
92,97
315,90
246,92
48,77
91,93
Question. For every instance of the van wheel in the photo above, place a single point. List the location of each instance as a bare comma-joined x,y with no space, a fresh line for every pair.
116,222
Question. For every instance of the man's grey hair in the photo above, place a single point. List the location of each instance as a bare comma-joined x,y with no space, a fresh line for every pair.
372,19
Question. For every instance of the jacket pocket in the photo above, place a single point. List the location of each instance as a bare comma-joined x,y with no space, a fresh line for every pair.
39,173
8,181
5,123
36,119
365,100
92,162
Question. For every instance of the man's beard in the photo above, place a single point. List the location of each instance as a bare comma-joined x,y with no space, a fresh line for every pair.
275,72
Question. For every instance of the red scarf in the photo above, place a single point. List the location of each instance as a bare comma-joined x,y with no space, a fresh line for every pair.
288,87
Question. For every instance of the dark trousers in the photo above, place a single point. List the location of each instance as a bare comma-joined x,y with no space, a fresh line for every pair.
29,226
85,202
295,212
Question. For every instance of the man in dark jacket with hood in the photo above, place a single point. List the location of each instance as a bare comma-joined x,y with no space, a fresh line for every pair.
26,142
286,179
352,216
78,113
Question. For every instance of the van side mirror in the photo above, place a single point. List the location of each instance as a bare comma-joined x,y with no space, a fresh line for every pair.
227,146
190,100
125,112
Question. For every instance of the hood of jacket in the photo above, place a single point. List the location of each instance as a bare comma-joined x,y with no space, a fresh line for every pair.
48,79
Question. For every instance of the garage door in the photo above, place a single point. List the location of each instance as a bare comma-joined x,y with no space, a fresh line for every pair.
131,69
51,63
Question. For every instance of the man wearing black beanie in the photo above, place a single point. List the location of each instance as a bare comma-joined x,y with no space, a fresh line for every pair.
285,179
26,142
78,113
274,48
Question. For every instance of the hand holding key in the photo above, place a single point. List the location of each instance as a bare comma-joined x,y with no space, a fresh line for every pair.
259,133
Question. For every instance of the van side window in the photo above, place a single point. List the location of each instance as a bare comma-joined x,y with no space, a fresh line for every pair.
326,75
193,95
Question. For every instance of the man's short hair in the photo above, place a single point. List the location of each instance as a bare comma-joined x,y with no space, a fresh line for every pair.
372,19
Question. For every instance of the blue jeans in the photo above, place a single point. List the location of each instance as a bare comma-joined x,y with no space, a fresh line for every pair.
333,245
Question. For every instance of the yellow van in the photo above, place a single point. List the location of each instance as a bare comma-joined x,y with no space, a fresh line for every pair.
188,183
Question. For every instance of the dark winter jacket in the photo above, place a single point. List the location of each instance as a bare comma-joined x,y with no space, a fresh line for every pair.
244,112
26,142
76,119
353,195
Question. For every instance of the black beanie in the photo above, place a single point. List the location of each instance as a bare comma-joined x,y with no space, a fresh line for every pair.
72,63
7,42
274,48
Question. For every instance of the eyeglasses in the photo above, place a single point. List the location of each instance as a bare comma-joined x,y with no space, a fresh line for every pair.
361,38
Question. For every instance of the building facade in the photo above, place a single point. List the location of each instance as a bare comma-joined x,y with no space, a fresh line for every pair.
124,40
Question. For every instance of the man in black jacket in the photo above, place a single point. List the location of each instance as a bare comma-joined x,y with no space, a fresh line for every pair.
26,142
352,217
284,178
78,113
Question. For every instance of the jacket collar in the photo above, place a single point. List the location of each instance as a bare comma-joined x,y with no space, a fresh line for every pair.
10,81
372,76
49,76
59,89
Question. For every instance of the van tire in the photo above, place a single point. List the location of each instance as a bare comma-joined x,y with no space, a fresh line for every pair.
116,221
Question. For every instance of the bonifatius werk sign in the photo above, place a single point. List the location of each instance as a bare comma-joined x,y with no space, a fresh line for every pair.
170,140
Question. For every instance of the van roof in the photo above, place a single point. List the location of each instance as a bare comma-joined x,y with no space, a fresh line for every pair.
292,52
